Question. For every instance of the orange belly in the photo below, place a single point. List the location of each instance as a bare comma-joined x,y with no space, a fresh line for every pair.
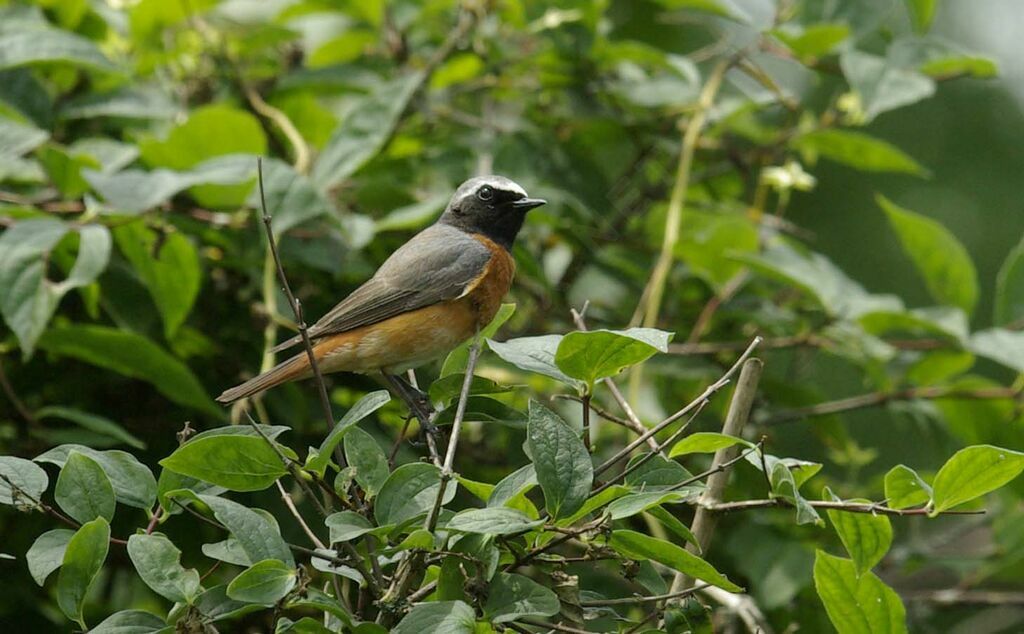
414,338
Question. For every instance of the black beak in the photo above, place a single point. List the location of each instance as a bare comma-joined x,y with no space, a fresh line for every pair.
526,204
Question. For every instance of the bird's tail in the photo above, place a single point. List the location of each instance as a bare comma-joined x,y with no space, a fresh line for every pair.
296,367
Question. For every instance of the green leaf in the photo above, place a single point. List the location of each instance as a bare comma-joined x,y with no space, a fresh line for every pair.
785,485
27,298
133,356
23,47
496,520
481,409
258,536
972,472
857,150
596,354
291,197
347,525
816,40
957,65
133,482
513,485
91,422
438,617
27,478
85,554
534,354
940,258
856,604
169,267
364,131
456,360
639,546
265,582
513,597
408,492
237,463
564,468
158,563
447,388
922,12
215,605
130,102
881,84
415,216
705,442
20,138
367,458
866,537
1005,347
130,622
83,490
47,553
904,488
363,408
210,131
1010,287
305,625
630,505
657,473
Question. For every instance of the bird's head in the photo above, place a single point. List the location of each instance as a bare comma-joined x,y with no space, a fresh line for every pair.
490,205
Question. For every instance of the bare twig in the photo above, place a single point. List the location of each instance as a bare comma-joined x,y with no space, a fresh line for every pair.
298,517
47,509
959,596
19,405
873,508
553,626
642,599
739,411
711,389
292,468
709,310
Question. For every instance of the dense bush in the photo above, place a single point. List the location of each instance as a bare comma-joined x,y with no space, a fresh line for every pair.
596,469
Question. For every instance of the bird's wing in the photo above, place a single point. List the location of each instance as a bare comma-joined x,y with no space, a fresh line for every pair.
438,264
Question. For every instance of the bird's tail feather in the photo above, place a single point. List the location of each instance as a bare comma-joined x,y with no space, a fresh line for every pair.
288,370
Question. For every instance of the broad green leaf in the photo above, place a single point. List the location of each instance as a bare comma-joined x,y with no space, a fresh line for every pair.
18,478
866,537
216,605
328,566
447,389
34,46
956,65
511,597
305,625
363,408
533,354
657,474
1010,287
496,520
83,558
414,216
364,131
83,490
1005,347
672,523
27,297
20,138
237,463
130,102
940,258
881,84
133,356
639,546
513,485
408,492
316,600
630,505
563,465
347,525
786,485
922,12
265,582
47,553
133,482
481,409
705,442
158,562
856,604
596,354
857,150
210,131
972,472
816,40
169,267
229,551
367,458
258,536
439,617
91,422
130,622
457,359
904,488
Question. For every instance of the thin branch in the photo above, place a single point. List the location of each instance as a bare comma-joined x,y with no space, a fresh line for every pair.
19,405
958,596
711,389
47,509
567,534
874,399
292,468
298,517
810,340
709,310
553,626
642,599
873,508
703,525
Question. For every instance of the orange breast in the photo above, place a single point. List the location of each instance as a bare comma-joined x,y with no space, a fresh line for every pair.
416,337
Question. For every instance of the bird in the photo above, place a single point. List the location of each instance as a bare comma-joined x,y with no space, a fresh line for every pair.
433,293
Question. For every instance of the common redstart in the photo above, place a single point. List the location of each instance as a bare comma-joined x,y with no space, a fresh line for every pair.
436,291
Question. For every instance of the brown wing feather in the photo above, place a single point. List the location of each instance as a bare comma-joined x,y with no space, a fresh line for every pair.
438,264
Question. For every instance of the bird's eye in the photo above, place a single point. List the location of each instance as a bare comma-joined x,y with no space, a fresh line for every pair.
485,193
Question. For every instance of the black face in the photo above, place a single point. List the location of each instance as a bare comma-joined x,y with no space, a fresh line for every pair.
490,205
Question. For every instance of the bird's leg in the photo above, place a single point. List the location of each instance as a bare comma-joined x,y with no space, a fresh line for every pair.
416,400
